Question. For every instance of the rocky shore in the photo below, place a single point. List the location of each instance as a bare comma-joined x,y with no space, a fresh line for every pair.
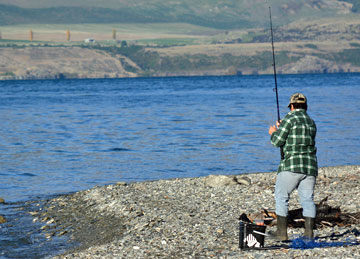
191,217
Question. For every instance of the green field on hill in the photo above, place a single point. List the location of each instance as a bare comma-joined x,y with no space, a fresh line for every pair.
226,14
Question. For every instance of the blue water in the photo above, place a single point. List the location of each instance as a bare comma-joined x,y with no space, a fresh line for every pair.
69,135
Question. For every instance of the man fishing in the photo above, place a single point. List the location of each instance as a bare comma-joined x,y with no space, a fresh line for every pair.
298,169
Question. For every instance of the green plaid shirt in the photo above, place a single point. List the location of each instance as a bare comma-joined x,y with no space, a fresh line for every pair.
296,134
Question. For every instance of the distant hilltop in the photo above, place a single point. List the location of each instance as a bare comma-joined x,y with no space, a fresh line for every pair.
212,14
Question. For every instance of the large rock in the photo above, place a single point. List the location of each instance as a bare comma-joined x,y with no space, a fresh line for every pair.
240,179
220,180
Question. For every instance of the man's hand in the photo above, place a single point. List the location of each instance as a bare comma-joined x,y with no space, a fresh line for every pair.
278,123
272,129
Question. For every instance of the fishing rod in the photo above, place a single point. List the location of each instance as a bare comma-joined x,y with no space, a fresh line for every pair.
276,88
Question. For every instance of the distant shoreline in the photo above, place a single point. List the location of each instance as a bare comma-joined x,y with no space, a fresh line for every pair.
88,62
60,77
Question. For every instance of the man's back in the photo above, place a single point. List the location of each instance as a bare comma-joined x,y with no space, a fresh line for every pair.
296,134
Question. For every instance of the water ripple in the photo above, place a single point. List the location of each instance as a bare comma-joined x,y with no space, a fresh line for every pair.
61,136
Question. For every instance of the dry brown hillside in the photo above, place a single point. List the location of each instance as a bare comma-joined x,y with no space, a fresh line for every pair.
59,62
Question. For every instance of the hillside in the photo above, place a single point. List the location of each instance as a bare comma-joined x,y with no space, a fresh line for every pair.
226,14
53,62
59,62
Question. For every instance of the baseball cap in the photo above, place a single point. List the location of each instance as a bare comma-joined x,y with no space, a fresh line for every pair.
297,98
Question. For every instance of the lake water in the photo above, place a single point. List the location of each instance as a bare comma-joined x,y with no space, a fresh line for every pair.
69,135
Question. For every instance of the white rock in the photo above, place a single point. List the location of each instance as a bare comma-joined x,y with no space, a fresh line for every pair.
220,180
243,180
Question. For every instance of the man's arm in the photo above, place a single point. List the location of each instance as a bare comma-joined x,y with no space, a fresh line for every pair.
272,128
279,135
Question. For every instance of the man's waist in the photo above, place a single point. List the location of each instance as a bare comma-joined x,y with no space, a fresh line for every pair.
299,150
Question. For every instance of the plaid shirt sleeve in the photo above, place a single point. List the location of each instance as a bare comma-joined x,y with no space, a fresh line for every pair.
278,138
296,135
